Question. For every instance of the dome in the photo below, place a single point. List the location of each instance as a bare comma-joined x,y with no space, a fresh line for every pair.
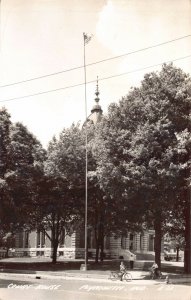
96,107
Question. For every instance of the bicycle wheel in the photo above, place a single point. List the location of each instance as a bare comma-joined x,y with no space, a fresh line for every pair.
127,276
114,275
152,275
160,275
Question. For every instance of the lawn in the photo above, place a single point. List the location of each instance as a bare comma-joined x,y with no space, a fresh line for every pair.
45,264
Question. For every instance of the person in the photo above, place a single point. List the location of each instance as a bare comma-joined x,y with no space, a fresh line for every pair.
122,268
155,269
132,258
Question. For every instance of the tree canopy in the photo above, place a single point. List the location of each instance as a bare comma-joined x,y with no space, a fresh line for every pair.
143,148
21,166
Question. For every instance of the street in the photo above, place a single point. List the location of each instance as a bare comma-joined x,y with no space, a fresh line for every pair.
38,289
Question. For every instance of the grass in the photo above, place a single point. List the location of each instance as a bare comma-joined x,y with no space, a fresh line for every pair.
45,264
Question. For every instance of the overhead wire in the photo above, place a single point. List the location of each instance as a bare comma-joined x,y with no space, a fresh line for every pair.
92,81
94,63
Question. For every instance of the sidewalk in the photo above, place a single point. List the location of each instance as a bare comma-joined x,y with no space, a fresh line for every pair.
139,277
42,268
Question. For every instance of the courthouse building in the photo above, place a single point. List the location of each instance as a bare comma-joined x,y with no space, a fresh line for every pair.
36,243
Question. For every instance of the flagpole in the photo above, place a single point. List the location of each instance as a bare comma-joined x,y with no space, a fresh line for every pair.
86,166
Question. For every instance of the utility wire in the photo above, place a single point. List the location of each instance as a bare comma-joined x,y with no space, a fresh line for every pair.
94,63
92,81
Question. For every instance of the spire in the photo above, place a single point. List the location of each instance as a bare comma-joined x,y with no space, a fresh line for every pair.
97,92
96,112
97,107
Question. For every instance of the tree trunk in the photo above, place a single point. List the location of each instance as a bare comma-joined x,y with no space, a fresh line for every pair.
177,253
54,254
102,250
102,241
187,251
7,252
97,254
97,245
54,240
158,240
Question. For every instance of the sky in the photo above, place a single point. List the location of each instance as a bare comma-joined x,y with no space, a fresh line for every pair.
40,37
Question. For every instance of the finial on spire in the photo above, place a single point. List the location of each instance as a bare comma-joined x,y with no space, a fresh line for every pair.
96,110
97,92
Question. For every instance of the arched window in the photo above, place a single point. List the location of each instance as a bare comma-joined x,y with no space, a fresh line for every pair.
62,237
131,240
123,242
141,242
38,239
43,238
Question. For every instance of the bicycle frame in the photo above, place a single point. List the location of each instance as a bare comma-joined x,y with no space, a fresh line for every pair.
155,275
115,275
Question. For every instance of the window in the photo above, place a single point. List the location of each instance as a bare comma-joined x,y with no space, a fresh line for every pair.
40,239
43,238
123,242
62,237
131,237
107,242
141,242
151,242
89,238
26,239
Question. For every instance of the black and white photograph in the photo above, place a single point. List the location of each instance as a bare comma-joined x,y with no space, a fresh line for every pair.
95,149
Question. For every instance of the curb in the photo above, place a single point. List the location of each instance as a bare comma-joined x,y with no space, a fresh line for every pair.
100,280
90,277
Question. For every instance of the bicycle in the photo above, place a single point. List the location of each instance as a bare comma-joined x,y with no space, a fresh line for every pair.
115,275
155,274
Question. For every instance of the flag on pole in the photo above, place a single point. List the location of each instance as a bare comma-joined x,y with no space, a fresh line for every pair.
87,38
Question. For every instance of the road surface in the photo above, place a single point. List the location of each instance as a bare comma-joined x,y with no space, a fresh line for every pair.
38,289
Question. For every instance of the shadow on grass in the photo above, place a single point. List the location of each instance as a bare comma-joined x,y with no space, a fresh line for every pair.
166,267
59,266
31,267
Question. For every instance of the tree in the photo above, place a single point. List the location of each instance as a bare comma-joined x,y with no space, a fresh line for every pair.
26,167
108,214
62,187
182,203
65,174
175,241
7,241
104,214
5,197
20,167
171,87
138,153
55,211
